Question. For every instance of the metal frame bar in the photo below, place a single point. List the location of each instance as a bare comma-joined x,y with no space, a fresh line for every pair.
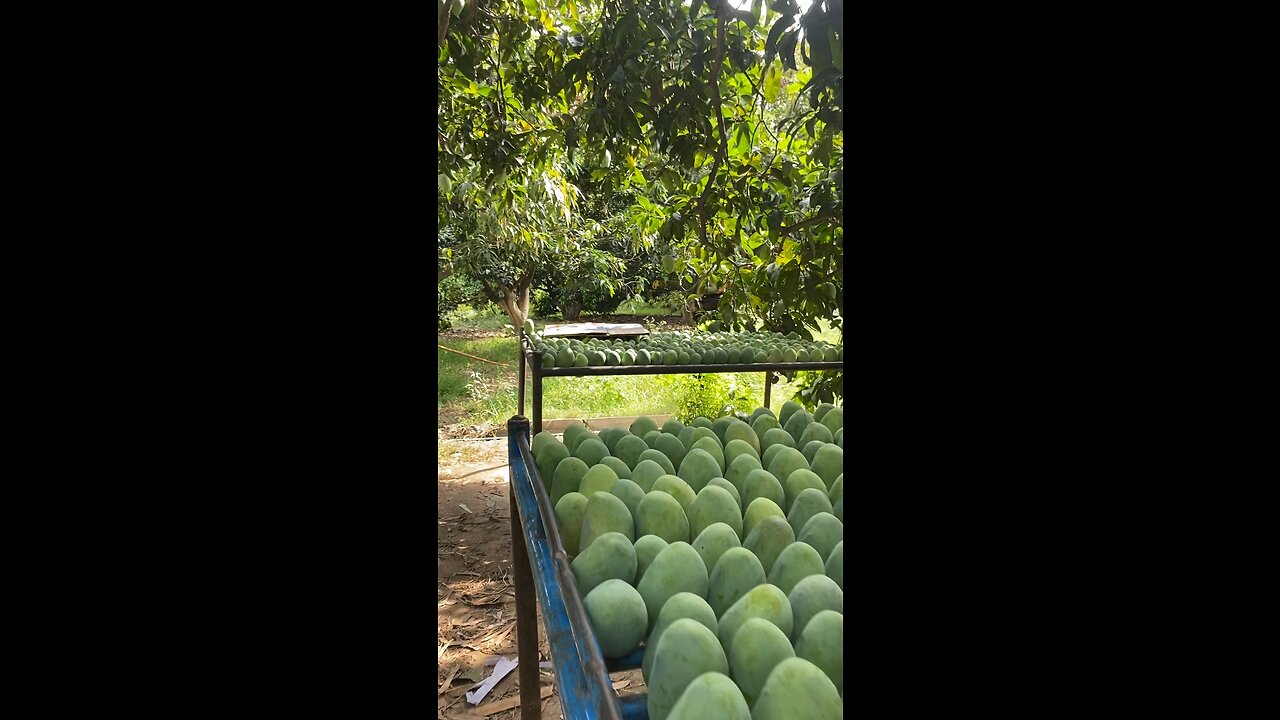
532,359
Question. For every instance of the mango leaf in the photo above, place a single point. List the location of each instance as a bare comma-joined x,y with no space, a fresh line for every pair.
772,83
790,250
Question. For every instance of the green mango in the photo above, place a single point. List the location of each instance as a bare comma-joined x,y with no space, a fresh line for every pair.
758,647
647,548
617,616
610,437
574,432
815,431
570,512
646,472
776,436
821,410
834,419
789,408
610,557
568,477
678,568
799,481
540,443
734,448
702,421
838,509
659,458
701,432
821,642
698,467
811,448
686,437
686,650
605,513
757,511
619,468
798,689
797,424
739,430
661,514
629,493
651,437
811,596
828,463
550,460
839,438
769,538
739,468
670,446
823,531
762,601
729,488
711,695
628,449
711,506
768,456
591,451
796,561
673,427
734,574
579,438
599,478
765,411
808,503
711,446
678,489
762,484
720,424
835,564
643,425
787,461
680,606
713,541
837,489
762,425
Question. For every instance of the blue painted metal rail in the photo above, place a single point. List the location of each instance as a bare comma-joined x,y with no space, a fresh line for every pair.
582,675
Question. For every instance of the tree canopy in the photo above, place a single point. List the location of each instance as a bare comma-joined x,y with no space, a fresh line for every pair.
720,122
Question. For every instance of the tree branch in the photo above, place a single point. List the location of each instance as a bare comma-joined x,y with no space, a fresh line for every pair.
811,221
723,150
444,20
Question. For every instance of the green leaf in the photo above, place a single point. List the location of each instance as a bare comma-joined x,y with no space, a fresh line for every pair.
531,6
771,44
772,83
790,250
837,52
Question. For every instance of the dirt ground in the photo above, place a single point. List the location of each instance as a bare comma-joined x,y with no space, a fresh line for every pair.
475,595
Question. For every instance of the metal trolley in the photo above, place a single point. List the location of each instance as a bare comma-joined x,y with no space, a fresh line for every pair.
543,574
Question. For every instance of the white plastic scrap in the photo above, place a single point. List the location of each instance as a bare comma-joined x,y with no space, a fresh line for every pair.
503,668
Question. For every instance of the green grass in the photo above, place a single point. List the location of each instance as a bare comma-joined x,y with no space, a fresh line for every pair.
477,392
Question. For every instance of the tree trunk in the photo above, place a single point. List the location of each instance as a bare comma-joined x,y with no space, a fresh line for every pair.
515,301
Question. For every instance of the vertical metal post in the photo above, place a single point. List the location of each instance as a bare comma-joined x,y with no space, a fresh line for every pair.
520,349
537,399
768,385
526,599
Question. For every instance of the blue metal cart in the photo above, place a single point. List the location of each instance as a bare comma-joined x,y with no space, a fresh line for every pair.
543,575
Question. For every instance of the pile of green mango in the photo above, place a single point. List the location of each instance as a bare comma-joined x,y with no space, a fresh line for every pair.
718,548
681,348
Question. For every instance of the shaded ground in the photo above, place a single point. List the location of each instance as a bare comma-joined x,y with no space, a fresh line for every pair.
475,597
